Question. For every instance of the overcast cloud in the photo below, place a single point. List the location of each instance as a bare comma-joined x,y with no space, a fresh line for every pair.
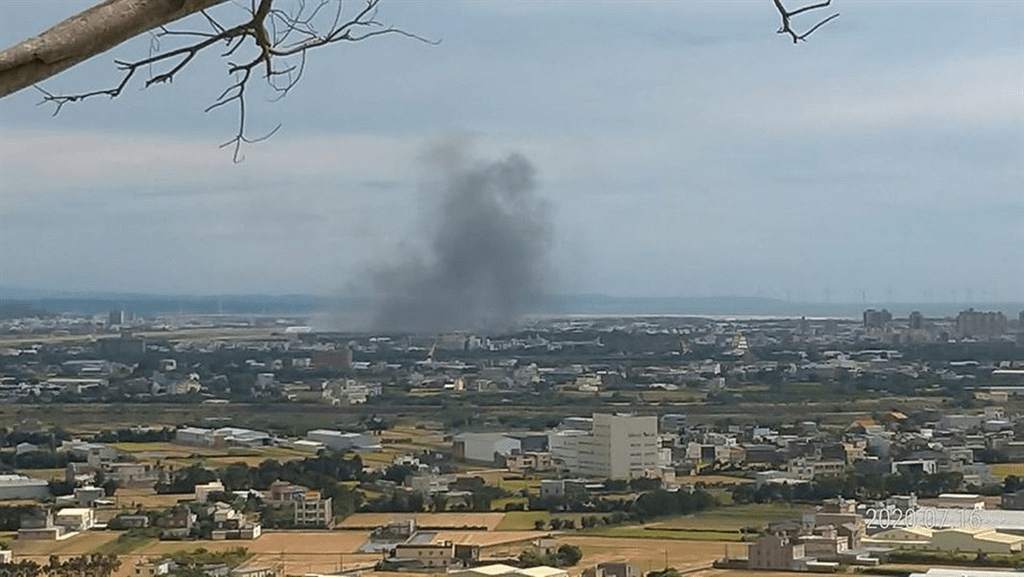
683,147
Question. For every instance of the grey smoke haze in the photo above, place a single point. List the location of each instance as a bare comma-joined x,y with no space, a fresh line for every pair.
484,249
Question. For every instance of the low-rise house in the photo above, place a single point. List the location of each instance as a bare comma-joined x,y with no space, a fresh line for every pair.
311,508
133,475
775,552
961,501
528,462
39,525
253,571
231,524
569,488
612,569
177,524
81,450
75,519
88,496
153,568
129,522
428,555
203,492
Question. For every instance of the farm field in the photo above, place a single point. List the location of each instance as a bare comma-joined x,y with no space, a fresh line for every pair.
640,532
733,518
454,520
1003,470
129,498
487,538
298,551
524,520
45,474
85,542
715,479
652,554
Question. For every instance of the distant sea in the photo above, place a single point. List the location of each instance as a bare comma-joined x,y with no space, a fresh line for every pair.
21,302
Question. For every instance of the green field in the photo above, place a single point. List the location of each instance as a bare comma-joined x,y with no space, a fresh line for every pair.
733,518
1002,470
126,543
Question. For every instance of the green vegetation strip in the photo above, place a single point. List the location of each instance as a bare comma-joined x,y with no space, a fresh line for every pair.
127,542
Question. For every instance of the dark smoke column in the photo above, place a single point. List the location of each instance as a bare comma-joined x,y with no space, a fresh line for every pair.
485,258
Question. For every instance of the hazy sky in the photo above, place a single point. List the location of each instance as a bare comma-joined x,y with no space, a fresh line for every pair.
684,147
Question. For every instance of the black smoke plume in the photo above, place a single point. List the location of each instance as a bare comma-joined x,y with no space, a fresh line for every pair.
484,258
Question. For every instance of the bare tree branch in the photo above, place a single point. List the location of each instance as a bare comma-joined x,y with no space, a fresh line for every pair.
787,16
85,35
269,41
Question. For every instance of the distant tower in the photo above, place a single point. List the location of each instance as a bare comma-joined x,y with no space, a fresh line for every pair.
916,320
1020,329
877,319
116,318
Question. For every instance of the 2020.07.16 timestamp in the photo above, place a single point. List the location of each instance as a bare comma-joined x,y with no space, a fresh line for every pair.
927,517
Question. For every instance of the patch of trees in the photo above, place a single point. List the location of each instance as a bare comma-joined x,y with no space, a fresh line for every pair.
135,435
564,556
10,516
647,505
661,502
855,486
34,460
10,438
90,565
318,472
184,480
1013,483
322,473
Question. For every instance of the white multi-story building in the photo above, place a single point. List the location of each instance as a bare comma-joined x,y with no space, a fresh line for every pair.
565,448
619,447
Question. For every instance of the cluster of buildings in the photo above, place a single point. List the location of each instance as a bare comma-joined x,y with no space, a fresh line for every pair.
605,446
842,532
703,354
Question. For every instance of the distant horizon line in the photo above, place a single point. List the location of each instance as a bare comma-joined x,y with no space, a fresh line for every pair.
24,293
11,294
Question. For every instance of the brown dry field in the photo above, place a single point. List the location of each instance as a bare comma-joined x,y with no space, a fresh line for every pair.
487,538
299,551
455,520
714,479
650,554
148,498
79,544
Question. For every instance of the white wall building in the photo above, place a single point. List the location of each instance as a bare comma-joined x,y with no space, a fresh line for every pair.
565,448
483,447
340,441
22,487
619,447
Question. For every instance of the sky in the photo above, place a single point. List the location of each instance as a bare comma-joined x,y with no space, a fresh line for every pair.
682,147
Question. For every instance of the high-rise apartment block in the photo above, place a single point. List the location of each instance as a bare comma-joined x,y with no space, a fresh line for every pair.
972,323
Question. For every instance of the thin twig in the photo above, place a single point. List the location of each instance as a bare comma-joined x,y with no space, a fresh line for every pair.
273,34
